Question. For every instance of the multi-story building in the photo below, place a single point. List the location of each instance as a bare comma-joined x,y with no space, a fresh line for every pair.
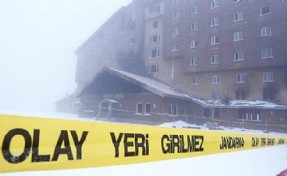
216,51
231,49
117,43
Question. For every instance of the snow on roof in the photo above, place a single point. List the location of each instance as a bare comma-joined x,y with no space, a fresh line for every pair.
257,103
240,104
151,85
112,101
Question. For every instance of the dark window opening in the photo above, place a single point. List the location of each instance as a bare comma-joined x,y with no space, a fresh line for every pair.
139,108
269,94
147,108
240,94
249,115
155,23
265,10
153,68
216,113
207,112
172,110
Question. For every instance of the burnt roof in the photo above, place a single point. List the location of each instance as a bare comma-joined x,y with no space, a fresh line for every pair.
151,85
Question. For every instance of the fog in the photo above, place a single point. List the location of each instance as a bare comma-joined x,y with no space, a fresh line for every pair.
37,44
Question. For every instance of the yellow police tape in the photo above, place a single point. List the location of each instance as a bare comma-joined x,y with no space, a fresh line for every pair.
29,144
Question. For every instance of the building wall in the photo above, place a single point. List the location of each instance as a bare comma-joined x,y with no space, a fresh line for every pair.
253,65
128,104
174,64
120,37
250,25
253,84
270,120
153,37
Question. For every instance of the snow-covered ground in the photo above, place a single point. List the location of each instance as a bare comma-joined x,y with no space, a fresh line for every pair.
263,162
181,124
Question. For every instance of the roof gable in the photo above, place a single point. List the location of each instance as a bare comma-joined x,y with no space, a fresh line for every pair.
122,78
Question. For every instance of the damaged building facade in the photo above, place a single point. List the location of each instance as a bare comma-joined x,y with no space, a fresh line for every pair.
228,57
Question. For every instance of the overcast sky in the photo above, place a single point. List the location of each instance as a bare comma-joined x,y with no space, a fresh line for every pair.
38,39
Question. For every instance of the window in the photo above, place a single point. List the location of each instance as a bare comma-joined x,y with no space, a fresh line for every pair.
155,24
174,47
214,21
154,9
155,38
238,56
240,94
249,114
88,107
238,36
240,78
265,10
147,108
214,59
266,53
155,53
172,110
131,25
214,4
214,40
193,61
238,16
139,109
194,9
207,112
215,95
175,15
267,76
194,26
193,44
266,31
175,31
269,93
215,79
153,68
143,110
195,80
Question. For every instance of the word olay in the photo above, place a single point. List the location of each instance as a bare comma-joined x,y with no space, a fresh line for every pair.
62,147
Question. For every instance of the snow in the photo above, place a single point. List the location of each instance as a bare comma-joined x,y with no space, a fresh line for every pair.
182,124
42,114
240,103
264,161
152,85
256,103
